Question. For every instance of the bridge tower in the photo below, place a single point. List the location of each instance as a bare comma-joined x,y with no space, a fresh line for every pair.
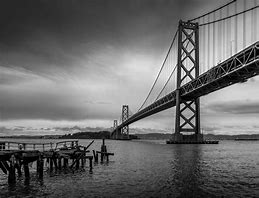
187,110
124,117
115,125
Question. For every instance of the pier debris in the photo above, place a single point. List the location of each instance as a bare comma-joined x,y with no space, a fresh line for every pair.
14,155
103,152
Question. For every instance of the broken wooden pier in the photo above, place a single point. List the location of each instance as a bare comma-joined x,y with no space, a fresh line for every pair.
62,155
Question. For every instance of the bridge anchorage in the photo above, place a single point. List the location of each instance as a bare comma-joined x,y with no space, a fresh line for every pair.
228,55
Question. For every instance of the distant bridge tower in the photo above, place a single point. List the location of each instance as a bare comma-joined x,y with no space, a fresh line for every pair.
187,110
124,117
115,125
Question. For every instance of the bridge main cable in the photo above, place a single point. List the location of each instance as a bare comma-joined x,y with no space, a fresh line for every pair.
229,16
212,11
174,38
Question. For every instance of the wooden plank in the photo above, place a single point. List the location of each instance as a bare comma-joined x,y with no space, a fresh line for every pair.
7,167
3,168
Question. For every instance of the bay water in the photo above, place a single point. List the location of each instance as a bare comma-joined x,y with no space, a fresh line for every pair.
150,168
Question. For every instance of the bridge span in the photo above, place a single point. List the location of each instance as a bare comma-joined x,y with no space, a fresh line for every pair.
192,48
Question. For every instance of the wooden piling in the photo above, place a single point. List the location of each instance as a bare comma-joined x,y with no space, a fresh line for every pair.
26,170
54,158
103,150
18,168
65,164
38,165
59,163
55,163
41,166
77,163
11,176
101,157
82,162
91,163
94,155
50,164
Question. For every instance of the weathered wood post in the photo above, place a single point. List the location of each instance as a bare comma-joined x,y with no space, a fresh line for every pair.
38,165
95,156
101,156
50,164
91,163
59,163
83,158
18,167
55,163
83,161
41,166
65,164
77,162
103,150
26,170
11,176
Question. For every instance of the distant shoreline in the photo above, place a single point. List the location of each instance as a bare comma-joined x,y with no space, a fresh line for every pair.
148,136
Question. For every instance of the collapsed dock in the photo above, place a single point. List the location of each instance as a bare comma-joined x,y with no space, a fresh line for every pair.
59,156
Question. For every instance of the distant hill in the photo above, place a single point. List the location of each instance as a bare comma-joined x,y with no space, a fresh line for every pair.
147,136
154,136
87,135
230,137
164,136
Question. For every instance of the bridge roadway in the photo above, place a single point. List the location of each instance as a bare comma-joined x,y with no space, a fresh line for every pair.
236,69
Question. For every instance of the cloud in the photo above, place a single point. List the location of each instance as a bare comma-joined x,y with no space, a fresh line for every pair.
236,107
72,62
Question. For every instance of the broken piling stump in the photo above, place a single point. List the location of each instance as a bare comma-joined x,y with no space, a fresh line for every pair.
104,154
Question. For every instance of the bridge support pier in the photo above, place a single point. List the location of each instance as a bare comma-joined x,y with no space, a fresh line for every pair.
121,132
124,117
115,127
187,121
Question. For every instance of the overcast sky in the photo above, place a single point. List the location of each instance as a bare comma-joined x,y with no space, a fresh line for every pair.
76,62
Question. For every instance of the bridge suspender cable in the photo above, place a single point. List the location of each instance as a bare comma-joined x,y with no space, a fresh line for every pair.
203,24
159,70
166,83
170,76
229,16
213,11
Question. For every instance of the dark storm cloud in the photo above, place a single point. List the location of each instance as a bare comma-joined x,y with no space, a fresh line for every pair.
74,40
236,107
102,46
54,33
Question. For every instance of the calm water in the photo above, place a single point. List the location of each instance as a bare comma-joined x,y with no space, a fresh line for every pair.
153,169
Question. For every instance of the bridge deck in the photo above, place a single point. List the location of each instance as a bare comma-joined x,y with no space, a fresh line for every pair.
236,69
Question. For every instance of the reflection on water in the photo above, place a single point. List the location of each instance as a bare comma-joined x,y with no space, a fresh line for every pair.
186,169
153,169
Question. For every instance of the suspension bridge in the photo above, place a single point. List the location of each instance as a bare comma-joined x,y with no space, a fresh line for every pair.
207,53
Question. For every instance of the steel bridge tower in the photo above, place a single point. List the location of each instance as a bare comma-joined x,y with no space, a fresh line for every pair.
124,117
115,125
187,110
